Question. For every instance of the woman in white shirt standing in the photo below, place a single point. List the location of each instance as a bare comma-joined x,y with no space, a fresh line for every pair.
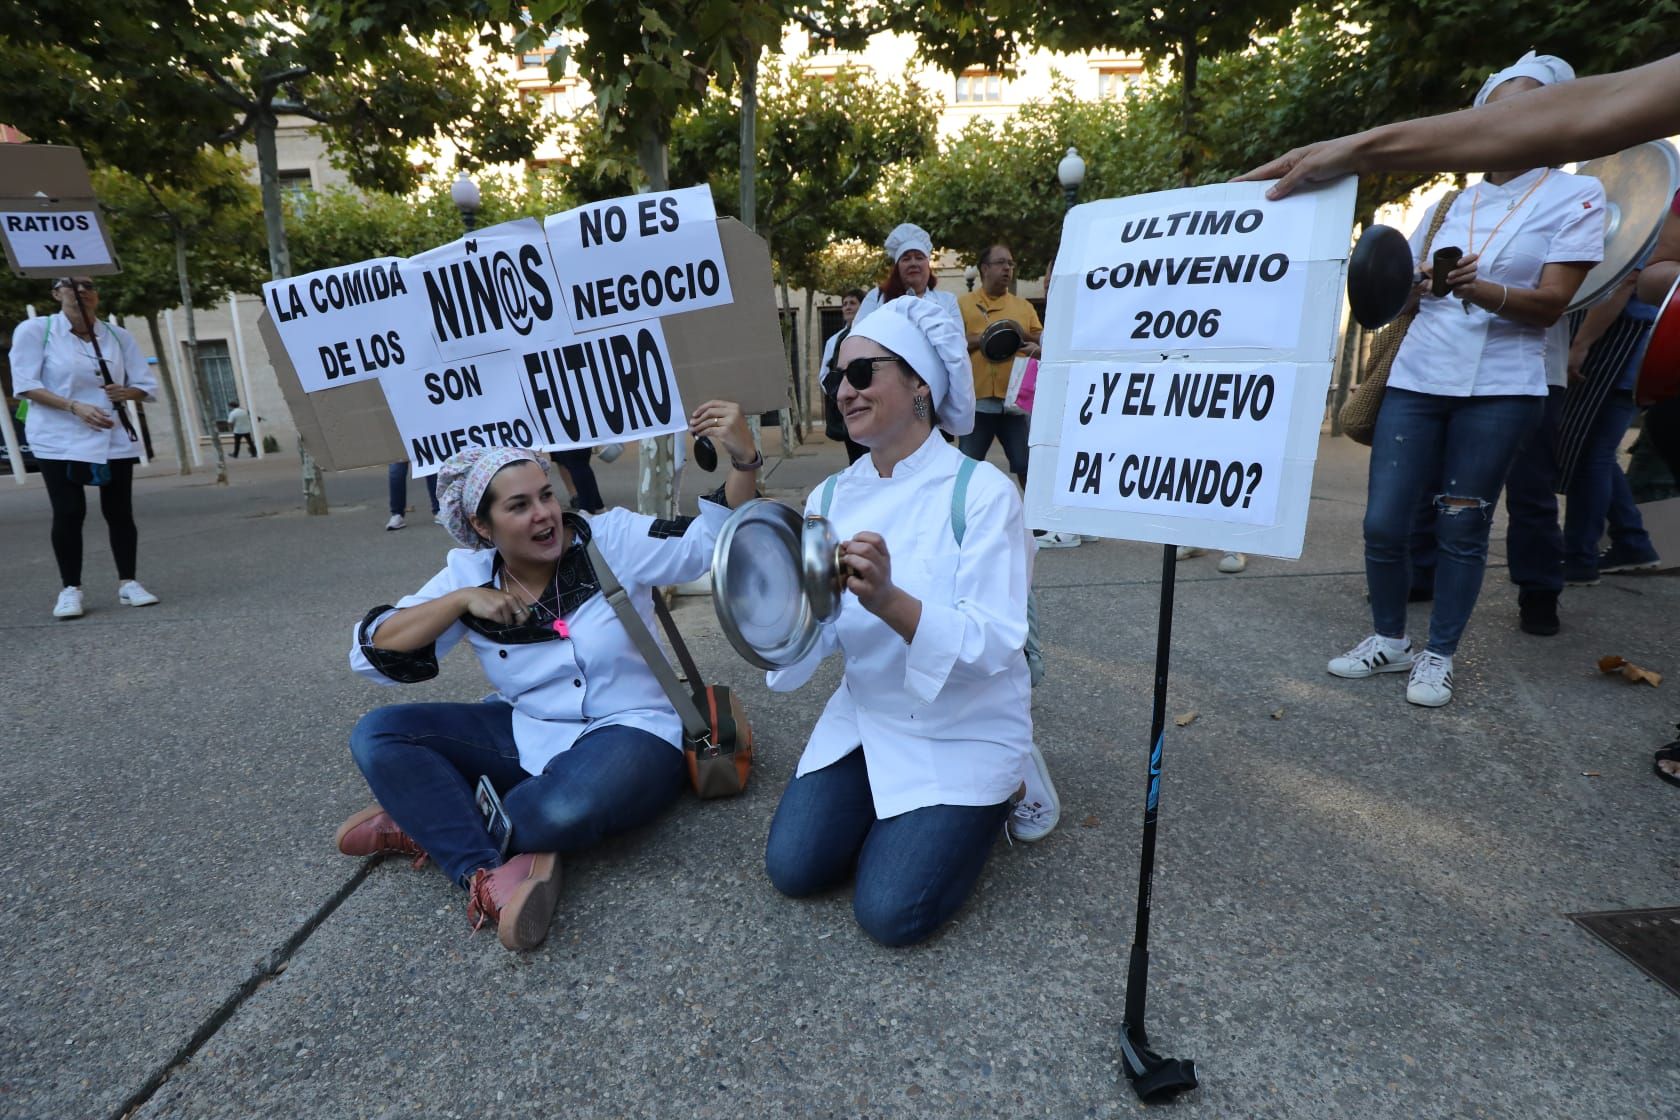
1468,384
76,372
579,739
907,778
911,250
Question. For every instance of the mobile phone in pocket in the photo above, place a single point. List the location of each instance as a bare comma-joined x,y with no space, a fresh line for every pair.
495,817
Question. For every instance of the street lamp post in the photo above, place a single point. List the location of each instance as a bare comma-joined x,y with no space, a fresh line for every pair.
970,275
463,192
1070,173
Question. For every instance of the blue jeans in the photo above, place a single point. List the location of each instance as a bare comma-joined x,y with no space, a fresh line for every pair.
397,480
1010,430
913,871
423,762
1600,490
1468,443
1533,540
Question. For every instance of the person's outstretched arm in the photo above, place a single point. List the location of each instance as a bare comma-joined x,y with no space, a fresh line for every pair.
1576,120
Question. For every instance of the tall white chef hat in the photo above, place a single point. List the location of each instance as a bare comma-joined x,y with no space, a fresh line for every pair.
929,340
1547,69
906,237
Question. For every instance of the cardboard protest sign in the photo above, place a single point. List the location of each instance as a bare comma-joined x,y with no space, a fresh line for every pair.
733,351
492,290
50,223
1187,343
568,391
631,259
352,322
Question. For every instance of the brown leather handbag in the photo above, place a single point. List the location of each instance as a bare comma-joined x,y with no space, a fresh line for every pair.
1358,417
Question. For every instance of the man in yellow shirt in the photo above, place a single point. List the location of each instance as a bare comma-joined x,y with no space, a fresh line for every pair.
980,309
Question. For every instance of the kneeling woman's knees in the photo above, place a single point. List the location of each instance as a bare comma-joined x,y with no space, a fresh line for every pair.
894,922
371,732
790,873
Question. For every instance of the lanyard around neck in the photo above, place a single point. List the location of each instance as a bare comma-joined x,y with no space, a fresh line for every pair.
1477,197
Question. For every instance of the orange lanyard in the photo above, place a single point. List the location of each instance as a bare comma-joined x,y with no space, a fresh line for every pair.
1477,197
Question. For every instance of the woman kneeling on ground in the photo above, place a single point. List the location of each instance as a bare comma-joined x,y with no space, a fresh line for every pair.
909,773
578,740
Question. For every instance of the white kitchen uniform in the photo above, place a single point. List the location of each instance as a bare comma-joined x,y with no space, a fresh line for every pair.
1450,353
560,689
872,300
945,719
46,354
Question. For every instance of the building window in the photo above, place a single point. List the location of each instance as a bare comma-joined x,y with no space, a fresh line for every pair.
219,382
296,186
1114,81
979,86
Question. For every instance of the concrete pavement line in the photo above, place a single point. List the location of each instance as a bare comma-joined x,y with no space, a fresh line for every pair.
264,971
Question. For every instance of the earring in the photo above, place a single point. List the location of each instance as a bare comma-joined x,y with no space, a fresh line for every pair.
920,404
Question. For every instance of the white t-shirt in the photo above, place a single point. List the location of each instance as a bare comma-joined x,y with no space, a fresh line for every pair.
945,719
239,420
46,354
1454,349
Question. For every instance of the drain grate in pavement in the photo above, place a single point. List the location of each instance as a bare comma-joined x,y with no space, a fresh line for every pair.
1648,938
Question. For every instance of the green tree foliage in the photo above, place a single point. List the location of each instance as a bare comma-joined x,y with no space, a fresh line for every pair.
843,265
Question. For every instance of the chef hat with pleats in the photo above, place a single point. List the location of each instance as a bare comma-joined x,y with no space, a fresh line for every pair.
931,343
906,237
464,478
1547,69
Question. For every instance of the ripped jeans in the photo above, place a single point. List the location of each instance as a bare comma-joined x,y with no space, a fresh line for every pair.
1470,443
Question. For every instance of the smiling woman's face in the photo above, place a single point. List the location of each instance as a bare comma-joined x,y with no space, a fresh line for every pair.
882,412
523,515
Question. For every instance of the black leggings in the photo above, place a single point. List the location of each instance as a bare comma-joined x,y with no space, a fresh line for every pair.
69,507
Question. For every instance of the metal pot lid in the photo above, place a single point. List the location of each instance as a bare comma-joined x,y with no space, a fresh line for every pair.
1639,186
1380,277
1001,340
820,568
758,588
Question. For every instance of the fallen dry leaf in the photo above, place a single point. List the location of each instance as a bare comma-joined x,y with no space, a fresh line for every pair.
1278,714
1629,670
1088,822
1186,719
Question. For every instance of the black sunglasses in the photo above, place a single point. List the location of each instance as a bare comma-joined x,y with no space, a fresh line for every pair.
861,371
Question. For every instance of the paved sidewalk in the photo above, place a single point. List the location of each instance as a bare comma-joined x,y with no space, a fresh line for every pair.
1359,904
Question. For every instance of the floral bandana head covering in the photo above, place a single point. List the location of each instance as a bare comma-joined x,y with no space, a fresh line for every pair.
463,480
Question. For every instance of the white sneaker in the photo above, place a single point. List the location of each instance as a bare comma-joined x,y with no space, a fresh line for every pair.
1185,552
1232,562
131,594
69,603
1058,540
395,523
437,519
1036,815
1374,655
1431,683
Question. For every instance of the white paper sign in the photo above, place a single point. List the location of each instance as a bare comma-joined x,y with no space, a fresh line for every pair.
69,238
563,392
632,259
494,289
352,323
1184,277
1185,440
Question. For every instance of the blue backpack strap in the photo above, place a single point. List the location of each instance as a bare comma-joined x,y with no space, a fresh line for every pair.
959,499
828,494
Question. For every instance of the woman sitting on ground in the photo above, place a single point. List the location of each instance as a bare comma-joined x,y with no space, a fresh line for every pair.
909,773
578,740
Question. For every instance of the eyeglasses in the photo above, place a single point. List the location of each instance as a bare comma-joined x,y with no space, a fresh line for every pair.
861,371
997,261
78,285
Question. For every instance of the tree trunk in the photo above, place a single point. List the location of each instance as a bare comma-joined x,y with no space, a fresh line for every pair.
280,264
1352,352
749,139
786,415
1189,58
169,396
807,356
193,365
656,489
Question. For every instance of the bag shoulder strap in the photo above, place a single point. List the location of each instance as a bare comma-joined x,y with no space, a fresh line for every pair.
959,499
828,494
680,647
694,724
1440,217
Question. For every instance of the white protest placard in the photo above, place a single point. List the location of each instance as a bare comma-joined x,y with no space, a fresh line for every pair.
631,259
352,323
68,239
1177,439
1188,340
494,289
562,392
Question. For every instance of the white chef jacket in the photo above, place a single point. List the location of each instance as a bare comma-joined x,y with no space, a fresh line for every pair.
872,301
945,719
47,355
596,678
1451,353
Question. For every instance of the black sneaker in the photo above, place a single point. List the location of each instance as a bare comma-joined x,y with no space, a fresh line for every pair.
1538,611
1619,559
